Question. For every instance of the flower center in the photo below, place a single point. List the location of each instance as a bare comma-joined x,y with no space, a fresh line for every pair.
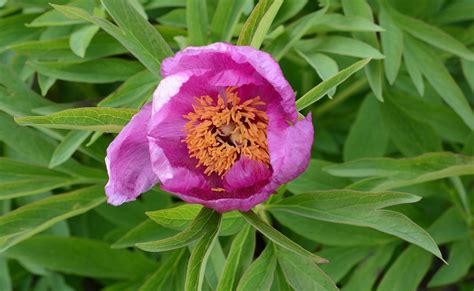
219,133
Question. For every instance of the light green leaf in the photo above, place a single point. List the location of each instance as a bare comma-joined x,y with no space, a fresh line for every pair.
181,216
324,87
259,275
95,71
428,33
35,217
441,80
367,136
457,11
87,118
32,186
259,22
54,18
392,44
278,238
45,83
80,39
194,231
339,45
144,232
360,209
72,141
339,22
241,250
468,70
302,273
82,257
414,71
226,16
395,173
342,260
197,22
324,66
200,254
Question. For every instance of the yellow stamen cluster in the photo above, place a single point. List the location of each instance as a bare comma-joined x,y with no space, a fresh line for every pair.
219,133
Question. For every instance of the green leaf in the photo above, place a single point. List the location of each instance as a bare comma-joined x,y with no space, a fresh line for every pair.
363,140
226,16
140,38
414,71
72,141
14,30
440,78
259,275
87,118
392,44
35,217
54,18
456,12
340,45
360,209
278,238
82,257
339,22
373,71
342,260
468,70
96,71
259,22
428,33
324,66
134,91
45,83
32,186
197,229
314,178
181,216
366,274
302,273
200,253
460,260
144,232
197,22
280,46
241,250
324,87
80,39
395,173
410,136
168,265
406,273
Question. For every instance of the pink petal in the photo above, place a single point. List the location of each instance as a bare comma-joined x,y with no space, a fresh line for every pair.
128,161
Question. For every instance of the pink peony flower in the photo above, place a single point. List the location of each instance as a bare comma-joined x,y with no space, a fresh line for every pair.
222,131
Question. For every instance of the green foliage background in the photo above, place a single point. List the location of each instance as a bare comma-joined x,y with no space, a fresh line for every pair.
386,198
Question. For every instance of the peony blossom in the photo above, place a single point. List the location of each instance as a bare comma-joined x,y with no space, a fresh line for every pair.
222,131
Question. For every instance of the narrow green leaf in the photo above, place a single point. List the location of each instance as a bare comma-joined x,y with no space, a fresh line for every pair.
468,70
243,245
88,118
278,238
324,66
360,209
324,87
197,229
82,257
340,45
460,260
144,232
54,18
35,217
80,39
169,264
45,83
280,46
226,16
259,275
72,141
392,44
428,33
200,254
302,273
343,260
32,186
441,80
363,141
197,22
339,22
95,71
181,216
258,24
414,71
